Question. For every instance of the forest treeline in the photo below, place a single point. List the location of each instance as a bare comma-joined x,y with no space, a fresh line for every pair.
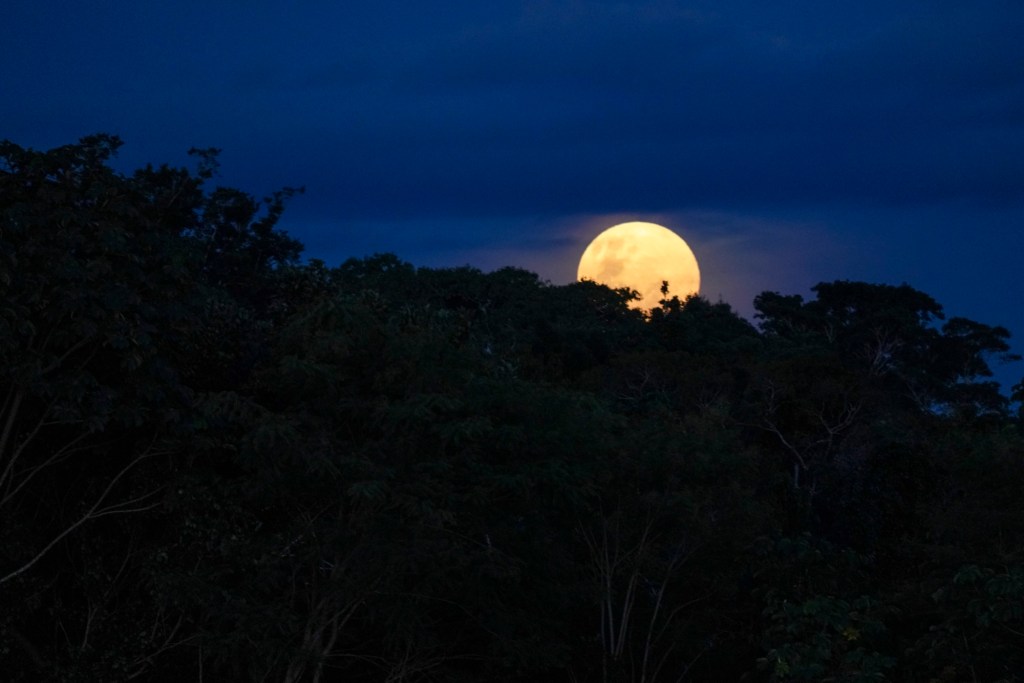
221,463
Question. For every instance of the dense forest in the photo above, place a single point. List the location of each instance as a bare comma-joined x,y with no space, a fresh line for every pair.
219,462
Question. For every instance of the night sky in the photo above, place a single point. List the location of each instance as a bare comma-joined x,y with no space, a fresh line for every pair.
788,143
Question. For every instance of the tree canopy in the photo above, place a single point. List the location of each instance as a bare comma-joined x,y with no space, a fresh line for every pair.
219,462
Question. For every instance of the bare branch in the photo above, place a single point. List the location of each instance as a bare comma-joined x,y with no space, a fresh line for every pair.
91,513
58,456
9,424
771,427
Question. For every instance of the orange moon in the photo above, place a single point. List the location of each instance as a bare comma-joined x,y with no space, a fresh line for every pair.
641,256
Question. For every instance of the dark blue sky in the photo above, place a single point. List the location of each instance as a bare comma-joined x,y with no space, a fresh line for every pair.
789,143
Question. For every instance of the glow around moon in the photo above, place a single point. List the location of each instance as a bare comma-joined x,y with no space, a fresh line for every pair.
641,256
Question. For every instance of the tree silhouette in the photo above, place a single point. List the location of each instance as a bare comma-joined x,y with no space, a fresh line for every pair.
219,462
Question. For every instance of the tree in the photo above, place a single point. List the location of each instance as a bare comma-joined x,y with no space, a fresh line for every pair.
105,279
88,289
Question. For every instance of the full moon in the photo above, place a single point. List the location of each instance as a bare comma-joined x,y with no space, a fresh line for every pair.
641,256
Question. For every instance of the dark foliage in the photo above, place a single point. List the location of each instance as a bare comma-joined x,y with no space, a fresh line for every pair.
218,463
